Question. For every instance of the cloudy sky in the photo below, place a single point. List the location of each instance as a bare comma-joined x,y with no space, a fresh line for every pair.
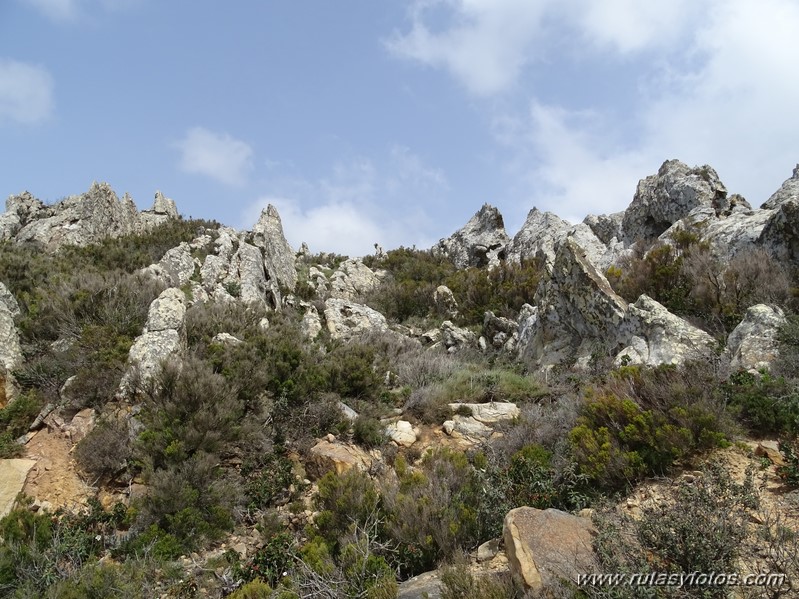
393,121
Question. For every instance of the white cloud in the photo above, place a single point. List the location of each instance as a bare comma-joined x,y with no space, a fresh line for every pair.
58,10
359,204
26,92
70,10
215,155
486,45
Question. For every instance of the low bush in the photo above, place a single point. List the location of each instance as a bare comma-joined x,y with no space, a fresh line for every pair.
765,404
105,450
15,420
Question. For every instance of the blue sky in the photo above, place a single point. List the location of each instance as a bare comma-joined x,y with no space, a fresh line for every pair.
393,121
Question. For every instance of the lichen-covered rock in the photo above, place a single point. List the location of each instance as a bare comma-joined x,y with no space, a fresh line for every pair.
9,301
163,210
278,256
501,332
10,353
488,413
780,235
176,267
352,279
83,220
455,338
311,324
402,433
789,190
445,303
667,338
347,319
481,242
226,339
577,311
546,546
328,456
664,198
247,271
167,311
20,210
537,238
467,430
753,343
606,227
147,354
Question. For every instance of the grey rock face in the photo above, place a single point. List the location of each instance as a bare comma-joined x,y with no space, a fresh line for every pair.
752,345
311,324
83,220
538,236
664,198
780,234
788,191
455,338
347,319
480,242
20,210
445,303
656,336
163,210
351,280
167,311
177,265
576,309
542,233
606,227
9,301
10,351
278,255
546,546
247,269
501,333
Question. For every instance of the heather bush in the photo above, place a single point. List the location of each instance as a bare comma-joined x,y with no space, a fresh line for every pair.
15,419
105,450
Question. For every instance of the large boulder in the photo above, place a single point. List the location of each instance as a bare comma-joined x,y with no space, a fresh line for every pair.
752,345
13,474
278,255
545,547
351,280
247,271
330,455
167,311
481,242
662,199
347,319
20,210
655,336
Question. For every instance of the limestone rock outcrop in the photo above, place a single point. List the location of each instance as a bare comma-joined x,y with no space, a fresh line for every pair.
789,190
163,210
279,258
481,242
352,280
577,310
444,301
8,300
345,319
10,353
546,546
752,345
662,199
656,336
163,338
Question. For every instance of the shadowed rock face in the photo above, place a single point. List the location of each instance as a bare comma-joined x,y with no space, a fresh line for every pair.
481,242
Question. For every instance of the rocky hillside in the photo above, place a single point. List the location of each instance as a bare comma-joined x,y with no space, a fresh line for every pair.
191,410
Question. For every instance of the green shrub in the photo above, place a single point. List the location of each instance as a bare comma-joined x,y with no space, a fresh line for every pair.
15,420
255,589
267,476
271,561
106,449
765,404
368,431
343,501
352,370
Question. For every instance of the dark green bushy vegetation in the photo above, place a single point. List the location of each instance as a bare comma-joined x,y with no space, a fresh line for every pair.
415,274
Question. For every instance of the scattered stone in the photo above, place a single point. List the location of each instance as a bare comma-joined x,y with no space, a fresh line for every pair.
546,546
445,303
329,455
402,433
226,339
